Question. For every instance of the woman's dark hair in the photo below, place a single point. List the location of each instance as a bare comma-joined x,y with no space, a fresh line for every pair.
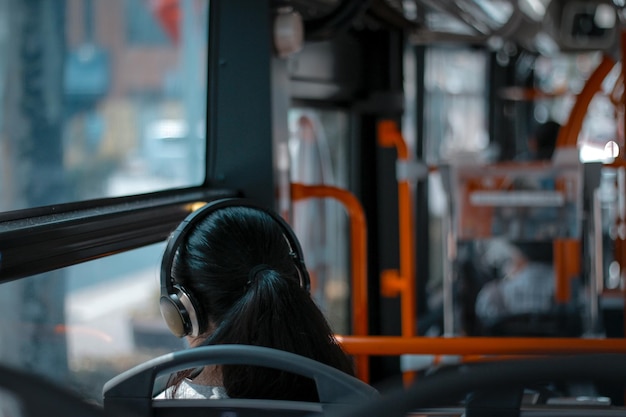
266,308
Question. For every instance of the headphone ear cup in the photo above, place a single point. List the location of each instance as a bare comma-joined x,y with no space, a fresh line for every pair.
173,316
181,313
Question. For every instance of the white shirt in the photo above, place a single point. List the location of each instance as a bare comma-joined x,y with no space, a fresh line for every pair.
531,290
190,390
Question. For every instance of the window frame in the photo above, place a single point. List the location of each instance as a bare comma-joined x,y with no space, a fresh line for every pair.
39,240
42,239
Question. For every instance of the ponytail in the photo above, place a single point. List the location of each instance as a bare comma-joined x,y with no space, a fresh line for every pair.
276,312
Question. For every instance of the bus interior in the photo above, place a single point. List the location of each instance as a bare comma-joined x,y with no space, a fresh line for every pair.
401,141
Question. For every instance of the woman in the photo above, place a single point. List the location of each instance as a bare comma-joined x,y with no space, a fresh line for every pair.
233,273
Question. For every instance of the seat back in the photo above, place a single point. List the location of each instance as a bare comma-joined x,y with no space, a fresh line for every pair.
547,324
131,393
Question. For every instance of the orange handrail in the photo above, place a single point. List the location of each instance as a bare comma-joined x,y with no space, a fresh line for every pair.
402,282
358,248
397,345
568,134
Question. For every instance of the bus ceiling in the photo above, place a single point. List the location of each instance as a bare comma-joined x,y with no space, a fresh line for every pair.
540,26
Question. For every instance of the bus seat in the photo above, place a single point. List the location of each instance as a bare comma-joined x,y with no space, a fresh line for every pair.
565,323
131,393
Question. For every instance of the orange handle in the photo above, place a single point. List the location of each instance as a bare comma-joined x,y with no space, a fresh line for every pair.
402,281
358,238
568,134
395,345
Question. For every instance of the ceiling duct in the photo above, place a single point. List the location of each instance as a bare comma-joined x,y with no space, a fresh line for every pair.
483,17
323,19
467,21
589,25
538,26
396,13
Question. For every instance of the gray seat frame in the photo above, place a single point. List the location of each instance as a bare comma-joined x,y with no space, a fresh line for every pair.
131,393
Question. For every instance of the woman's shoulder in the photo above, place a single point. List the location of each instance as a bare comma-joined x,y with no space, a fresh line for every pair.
189,390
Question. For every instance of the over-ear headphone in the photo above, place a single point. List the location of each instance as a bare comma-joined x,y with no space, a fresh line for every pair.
182,313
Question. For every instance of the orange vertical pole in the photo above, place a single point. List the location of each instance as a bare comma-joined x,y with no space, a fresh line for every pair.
389,135
358,249
404,281
567,266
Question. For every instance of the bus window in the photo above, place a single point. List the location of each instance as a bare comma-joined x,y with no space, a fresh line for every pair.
110,100
82,325
319,155
455,128
455,121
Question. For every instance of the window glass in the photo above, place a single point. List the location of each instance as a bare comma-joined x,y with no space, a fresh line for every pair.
455,132
100,98
318,146
455,118
141,28
455,129
80,326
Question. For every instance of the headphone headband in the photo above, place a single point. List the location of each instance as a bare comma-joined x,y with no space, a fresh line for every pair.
178,307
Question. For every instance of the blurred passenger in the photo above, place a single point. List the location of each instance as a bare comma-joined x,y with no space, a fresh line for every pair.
527,288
